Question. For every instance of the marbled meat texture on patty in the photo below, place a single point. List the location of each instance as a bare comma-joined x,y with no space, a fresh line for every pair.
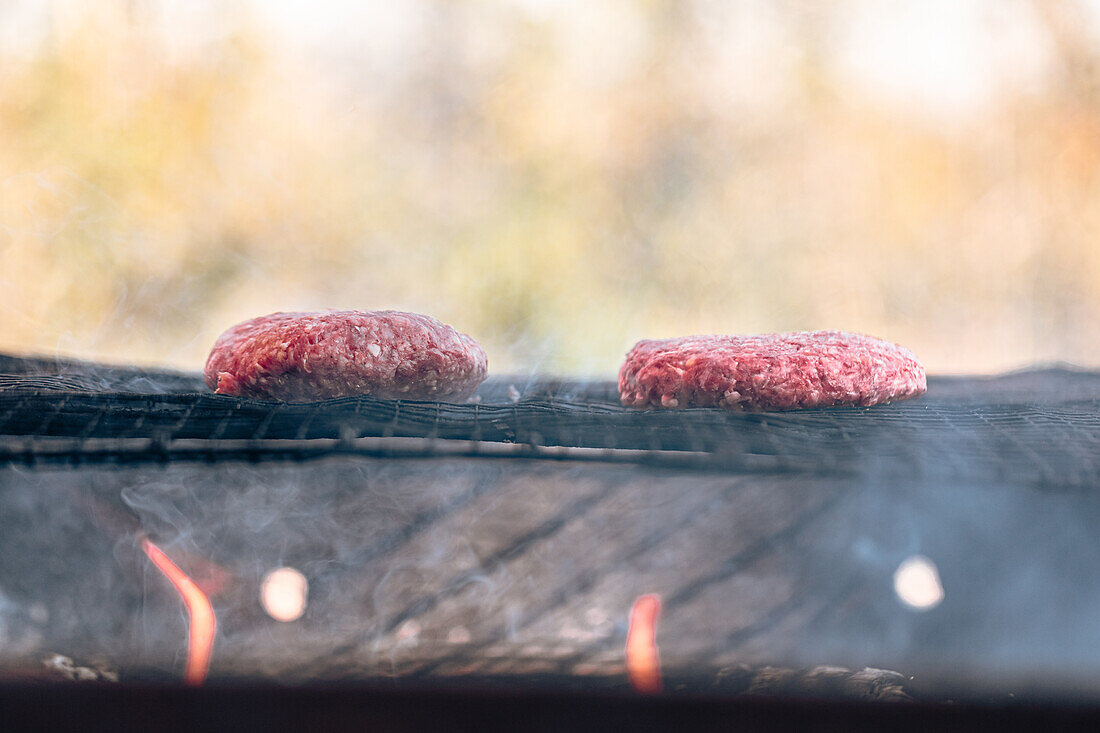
317,356
771,371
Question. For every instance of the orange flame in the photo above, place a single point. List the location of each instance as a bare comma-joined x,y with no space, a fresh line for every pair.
200,641
643,664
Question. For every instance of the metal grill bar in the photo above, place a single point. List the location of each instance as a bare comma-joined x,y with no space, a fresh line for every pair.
1040,428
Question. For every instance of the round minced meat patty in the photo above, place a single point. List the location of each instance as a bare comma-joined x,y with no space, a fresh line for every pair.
316,356
771,371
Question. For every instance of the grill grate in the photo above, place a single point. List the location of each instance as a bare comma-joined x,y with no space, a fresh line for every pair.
1037,428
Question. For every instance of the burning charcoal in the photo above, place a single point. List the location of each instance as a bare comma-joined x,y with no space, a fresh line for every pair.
820,682
65,667
770,681
825,681
876,684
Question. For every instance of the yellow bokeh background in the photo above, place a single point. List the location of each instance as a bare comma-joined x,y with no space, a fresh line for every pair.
557,180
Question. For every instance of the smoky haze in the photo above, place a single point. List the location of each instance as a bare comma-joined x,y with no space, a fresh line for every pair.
448,568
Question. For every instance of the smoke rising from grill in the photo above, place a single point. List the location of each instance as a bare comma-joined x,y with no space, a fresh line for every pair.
457,567
772,538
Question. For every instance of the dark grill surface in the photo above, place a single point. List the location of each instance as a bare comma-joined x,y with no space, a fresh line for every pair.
771,537
1039,427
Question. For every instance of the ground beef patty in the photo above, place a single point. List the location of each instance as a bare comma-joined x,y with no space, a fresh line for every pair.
772,371
316,356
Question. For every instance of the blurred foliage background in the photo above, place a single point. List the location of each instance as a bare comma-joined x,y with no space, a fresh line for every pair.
558,179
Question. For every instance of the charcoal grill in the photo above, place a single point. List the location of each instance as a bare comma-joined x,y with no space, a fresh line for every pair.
496,546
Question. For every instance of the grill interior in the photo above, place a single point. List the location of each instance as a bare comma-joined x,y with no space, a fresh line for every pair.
505,540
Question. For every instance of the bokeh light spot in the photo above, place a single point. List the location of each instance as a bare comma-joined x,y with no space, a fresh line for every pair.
284,594
917,583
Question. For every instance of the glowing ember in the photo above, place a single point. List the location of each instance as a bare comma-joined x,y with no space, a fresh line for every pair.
284,594
408,632
458,635
917,583
200,641
643,664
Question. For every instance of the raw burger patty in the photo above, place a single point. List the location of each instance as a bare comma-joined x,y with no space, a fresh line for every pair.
316,356
772,371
